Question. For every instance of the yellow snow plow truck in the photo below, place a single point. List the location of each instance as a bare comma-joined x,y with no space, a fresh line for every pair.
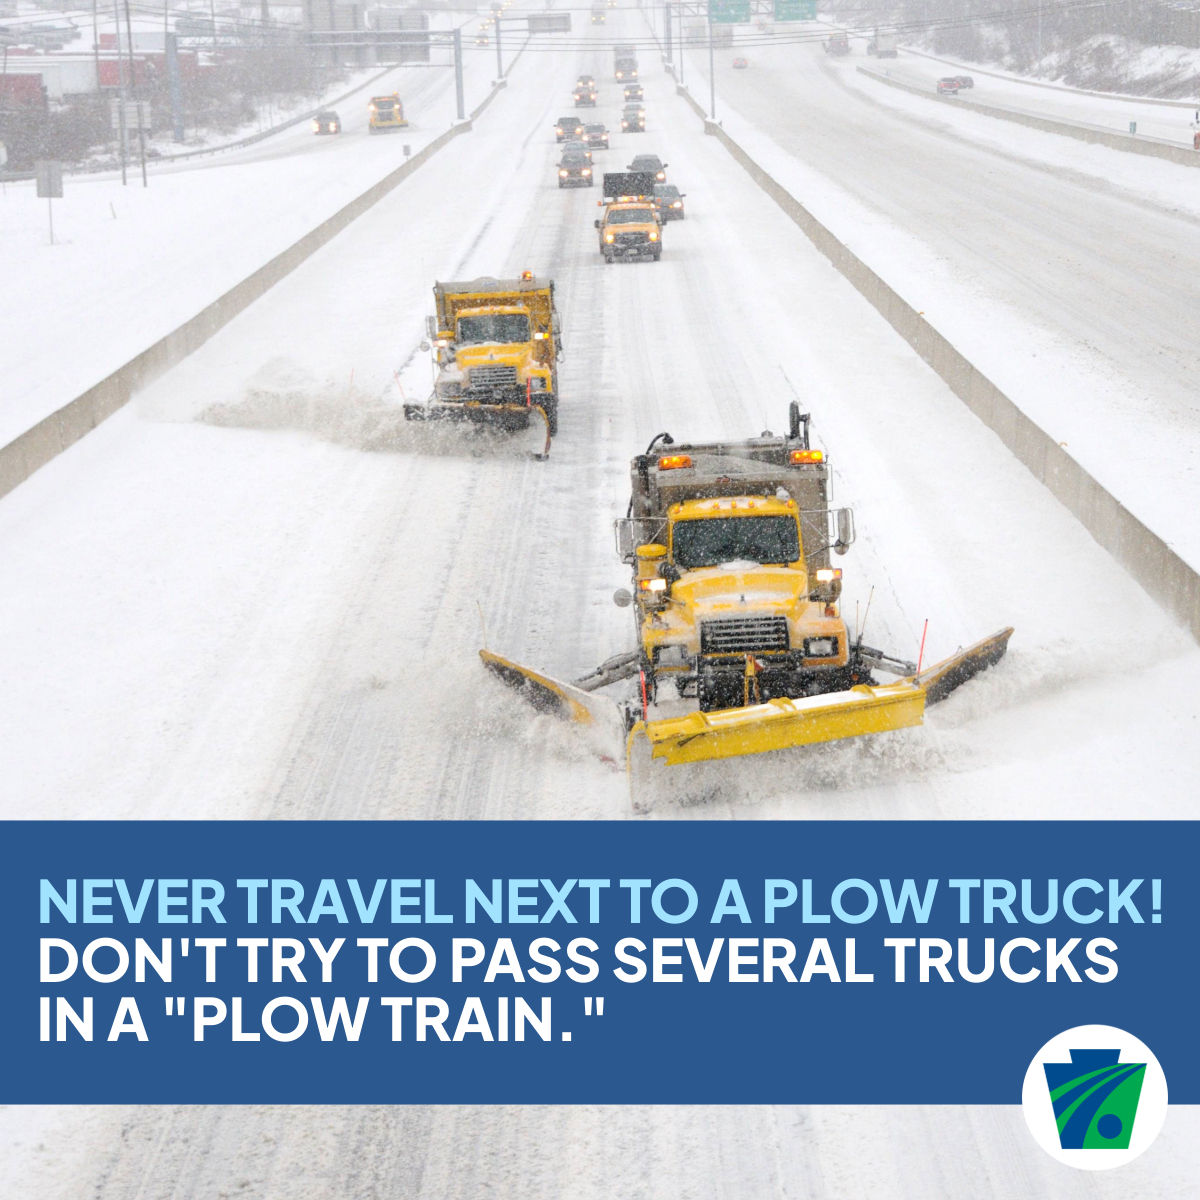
741,647
497,344
385,112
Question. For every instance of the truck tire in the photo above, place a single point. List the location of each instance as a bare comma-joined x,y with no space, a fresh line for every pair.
657,255
607,257
550,405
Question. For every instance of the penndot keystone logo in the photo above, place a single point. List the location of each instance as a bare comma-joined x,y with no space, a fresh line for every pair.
1094,1097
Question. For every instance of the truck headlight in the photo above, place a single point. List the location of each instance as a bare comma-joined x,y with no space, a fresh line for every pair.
537,384
654,235
562,174
608,237
822,647
587,170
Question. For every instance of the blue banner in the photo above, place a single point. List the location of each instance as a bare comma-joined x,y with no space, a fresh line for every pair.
585,962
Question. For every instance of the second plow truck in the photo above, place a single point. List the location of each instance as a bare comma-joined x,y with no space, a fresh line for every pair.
497,343
741,647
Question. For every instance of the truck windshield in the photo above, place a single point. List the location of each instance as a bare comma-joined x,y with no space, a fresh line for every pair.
493,327
705,543
631,216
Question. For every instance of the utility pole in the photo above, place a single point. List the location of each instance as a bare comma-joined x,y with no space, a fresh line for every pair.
121,93
712,73
133,85
458,76
499,63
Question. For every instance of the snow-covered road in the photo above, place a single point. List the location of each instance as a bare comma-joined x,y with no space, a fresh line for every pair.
255,593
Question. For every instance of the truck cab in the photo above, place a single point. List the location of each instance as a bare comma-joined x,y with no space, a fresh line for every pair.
735,599
497,343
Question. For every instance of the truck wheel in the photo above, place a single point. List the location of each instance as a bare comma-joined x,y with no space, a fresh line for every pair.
657,255
607,257
550,404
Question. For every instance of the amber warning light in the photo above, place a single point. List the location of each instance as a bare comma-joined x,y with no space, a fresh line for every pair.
808,456
669,462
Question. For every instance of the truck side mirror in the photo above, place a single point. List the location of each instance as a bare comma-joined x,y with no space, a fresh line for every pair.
431,329
596,223
622,597
425,346
845,530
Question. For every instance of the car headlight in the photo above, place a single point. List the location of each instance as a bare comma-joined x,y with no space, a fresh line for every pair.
587,170
562,174
676,203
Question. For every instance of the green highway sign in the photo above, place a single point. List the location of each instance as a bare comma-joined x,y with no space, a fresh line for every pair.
729,12
795,10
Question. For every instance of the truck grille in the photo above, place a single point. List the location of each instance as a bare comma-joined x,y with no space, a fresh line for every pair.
630,239
743,635
489,377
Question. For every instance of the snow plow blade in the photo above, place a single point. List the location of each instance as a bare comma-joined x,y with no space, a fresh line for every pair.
780,724
942,678
550,696
529,421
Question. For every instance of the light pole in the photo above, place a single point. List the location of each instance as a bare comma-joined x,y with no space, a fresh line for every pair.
712,74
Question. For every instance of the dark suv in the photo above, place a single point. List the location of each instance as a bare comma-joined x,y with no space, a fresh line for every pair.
668,199
567,127
650,163
574,170
595,137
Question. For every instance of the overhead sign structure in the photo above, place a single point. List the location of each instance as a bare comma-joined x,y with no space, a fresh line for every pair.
795,10
729,12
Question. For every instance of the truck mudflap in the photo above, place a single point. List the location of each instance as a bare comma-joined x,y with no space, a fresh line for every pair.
511,418
778,724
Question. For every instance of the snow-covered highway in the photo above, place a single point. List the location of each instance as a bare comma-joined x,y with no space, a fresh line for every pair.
255,592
